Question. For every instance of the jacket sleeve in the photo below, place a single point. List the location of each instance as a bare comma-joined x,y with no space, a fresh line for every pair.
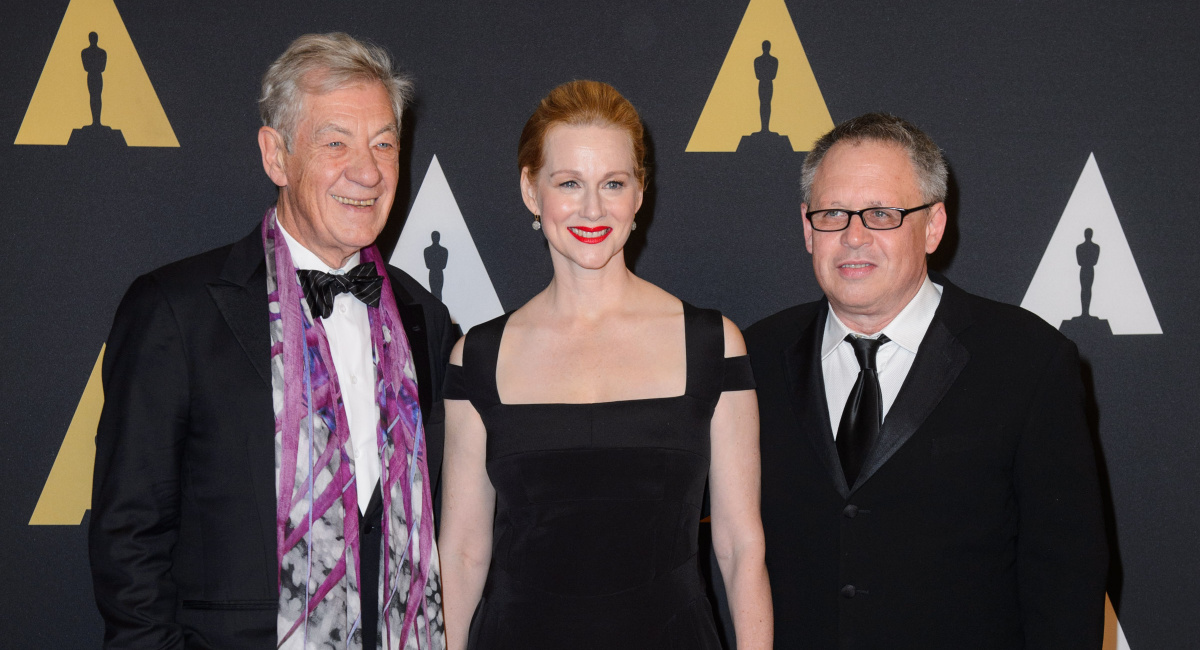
136,486
1062,550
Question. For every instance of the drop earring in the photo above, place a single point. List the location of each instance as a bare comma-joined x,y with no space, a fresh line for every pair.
537,222
634,226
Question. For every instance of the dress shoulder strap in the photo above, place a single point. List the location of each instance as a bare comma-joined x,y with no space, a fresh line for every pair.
480,351
704,337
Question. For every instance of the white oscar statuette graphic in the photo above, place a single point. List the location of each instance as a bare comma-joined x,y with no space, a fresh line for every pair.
1089,260
436,248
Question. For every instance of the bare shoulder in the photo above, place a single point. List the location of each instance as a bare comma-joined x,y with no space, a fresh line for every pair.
536,311
456,355
735,345
657,302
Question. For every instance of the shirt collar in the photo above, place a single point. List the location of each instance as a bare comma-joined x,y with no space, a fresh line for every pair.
907,329
304,259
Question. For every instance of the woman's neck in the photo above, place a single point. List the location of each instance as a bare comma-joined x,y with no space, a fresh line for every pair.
590,294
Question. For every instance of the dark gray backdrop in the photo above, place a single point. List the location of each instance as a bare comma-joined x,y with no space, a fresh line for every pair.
1017,93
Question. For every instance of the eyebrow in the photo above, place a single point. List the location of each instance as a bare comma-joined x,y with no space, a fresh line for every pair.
336,128
576,172
875,203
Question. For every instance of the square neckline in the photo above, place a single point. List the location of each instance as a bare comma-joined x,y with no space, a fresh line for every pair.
688,326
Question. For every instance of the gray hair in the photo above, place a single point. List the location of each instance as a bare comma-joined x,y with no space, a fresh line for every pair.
927,159
323,63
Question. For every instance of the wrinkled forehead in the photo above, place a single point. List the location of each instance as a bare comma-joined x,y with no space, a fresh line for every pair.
314,90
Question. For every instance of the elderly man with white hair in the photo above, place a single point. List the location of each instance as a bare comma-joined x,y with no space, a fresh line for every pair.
268,454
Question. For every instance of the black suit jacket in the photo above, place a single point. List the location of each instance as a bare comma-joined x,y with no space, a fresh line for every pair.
182,538
976,521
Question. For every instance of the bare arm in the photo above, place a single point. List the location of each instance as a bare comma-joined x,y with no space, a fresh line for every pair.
737,532
468,507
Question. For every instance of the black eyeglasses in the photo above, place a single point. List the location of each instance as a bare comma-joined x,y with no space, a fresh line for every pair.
835,219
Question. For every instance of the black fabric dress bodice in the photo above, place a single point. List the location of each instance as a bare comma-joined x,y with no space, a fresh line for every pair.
598,506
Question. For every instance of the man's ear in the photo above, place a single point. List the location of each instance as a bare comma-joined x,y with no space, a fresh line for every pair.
529,191
274,155
935,227
808,231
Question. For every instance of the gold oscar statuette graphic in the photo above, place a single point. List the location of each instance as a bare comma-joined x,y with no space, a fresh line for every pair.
765,96
94,88
67,494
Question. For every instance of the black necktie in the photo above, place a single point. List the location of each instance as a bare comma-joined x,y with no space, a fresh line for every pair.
863,415
320,288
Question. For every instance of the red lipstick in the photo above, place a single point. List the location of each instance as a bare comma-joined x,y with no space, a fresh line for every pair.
590,235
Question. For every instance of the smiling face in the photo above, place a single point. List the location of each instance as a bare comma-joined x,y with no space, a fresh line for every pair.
869,276
338,182
587,193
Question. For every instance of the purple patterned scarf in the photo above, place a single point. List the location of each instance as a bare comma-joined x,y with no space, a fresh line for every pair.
317,501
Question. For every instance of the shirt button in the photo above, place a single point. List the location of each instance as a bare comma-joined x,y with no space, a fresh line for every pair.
353,379
848,591
850,511
343,307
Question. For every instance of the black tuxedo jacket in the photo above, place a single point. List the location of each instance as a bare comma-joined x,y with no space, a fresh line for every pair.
182,537
976,521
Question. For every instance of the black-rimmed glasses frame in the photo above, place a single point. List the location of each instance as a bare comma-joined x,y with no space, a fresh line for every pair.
850,214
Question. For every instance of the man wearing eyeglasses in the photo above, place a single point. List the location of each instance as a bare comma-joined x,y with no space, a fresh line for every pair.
928,475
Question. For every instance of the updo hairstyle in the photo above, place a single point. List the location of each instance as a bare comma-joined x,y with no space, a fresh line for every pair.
581,103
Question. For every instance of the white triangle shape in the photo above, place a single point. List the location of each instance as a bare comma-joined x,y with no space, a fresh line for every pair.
1118,293
1122,643
467,289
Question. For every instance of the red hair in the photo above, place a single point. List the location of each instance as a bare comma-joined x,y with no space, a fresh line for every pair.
579,103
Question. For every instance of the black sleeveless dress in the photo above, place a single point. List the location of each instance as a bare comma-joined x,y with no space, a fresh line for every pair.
598,506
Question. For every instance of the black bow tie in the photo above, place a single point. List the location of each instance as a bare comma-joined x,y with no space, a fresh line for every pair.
320,288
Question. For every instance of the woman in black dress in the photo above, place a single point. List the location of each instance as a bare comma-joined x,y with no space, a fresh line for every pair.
581,428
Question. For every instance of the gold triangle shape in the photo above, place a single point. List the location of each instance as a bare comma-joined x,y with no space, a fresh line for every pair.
1114,636
797,108
67,494
60,103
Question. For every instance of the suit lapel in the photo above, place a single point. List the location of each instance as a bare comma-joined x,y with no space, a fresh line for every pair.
241,297
939,360
806,384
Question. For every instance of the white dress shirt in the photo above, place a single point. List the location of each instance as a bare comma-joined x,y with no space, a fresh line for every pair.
349,333
893,360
